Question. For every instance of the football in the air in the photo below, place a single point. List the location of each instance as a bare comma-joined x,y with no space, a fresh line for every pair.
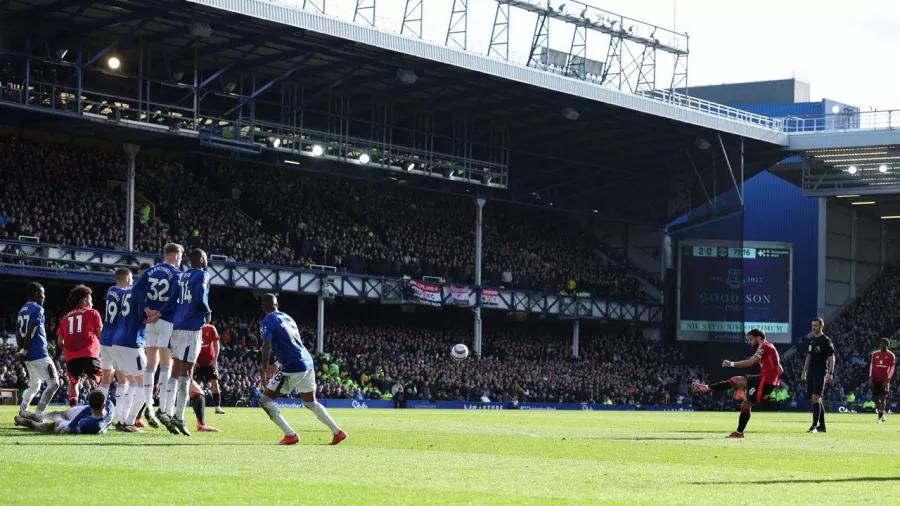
460,352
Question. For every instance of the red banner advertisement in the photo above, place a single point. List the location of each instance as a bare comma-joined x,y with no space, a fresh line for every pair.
426,293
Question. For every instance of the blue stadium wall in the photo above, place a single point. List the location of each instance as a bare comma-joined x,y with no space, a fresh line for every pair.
774,210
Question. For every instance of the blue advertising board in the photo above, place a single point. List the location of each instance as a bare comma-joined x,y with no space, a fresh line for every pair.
285,402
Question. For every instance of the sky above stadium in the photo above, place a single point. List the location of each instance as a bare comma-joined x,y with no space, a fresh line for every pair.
844,50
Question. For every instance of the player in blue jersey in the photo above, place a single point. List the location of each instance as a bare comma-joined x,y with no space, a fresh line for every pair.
90,419
128,350
160,284
31,337
191,313
280,335
112,325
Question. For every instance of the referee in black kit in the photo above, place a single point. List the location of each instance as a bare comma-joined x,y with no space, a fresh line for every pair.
817,371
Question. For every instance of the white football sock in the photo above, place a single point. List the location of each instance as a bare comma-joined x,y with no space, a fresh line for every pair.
137,400
164,374
28,395
274,413
322,415
105,389
170,396
181,398
123,400
47,396
148,390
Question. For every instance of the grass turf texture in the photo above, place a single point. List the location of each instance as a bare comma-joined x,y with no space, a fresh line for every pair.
449,456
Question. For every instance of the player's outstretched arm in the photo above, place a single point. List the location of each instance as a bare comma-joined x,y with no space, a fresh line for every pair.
750,362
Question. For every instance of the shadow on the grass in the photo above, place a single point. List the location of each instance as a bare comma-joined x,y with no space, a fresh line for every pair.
817,480
95,442
648,438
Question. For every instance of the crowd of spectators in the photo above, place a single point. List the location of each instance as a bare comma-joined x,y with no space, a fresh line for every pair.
855,333
71,195
389,360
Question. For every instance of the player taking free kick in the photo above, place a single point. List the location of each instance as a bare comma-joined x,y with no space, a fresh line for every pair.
758,387
280,334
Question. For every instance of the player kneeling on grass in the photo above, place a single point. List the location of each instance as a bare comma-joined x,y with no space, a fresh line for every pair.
95,418
280,334
758,386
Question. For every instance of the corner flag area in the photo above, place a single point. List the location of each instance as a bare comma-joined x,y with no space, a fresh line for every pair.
471,457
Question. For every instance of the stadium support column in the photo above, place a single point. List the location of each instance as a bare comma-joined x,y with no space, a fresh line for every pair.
575,329
131,150
320,326
479,214
822,258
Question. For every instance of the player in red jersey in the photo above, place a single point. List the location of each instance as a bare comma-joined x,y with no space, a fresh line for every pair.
79,336
758,386
207,369
881,371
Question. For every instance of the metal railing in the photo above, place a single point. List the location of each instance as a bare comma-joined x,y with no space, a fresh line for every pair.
844,121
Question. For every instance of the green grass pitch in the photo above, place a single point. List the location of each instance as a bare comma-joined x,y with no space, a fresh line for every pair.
463,457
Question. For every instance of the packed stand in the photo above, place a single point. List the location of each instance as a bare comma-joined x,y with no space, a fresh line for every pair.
72,195
364,228
378,361
855,334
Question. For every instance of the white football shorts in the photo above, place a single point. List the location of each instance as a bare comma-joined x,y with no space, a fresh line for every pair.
108,358
159,334
286,382
131,361
186,344
41,369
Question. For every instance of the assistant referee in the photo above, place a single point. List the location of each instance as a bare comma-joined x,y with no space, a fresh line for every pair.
817,371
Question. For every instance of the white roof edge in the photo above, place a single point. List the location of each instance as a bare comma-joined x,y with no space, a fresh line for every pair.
843,139
306,20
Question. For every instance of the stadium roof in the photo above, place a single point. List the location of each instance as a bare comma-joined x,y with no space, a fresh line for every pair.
622,161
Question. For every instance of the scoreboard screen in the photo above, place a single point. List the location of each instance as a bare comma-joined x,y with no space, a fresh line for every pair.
727,288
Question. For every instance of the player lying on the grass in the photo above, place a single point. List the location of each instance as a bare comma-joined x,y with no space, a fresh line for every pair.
280,335
758,386
95,418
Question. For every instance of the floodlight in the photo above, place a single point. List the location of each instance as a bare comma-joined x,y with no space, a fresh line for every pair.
317,150
852,169
364,158
113,63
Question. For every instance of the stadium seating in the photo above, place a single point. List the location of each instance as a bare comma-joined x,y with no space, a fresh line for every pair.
372,357
291,218
875,314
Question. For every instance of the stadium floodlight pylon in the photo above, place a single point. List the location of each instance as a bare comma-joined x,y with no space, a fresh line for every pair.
316,5
499,45
457,30
631,51
413,14
365,11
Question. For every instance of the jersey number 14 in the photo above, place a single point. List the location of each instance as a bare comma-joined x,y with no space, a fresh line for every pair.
186,295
